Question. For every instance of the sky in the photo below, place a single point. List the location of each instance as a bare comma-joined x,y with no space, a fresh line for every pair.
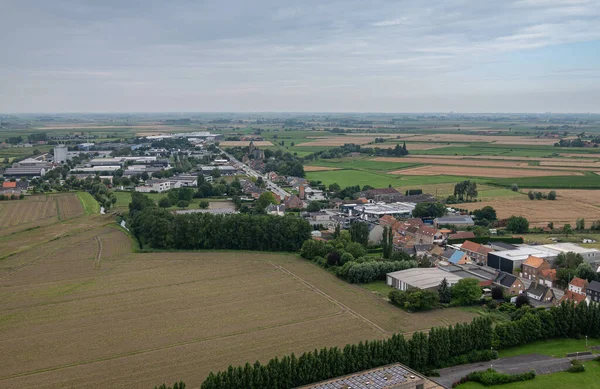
301,56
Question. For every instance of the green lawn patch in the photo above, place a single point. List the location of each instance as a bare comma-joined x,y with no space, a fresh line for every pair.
554,348
590,379
587,181
379,287
361,163
89,203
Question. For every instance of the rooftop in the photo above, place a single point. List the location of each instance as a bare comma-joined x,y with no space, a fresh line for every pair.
454,219
566,247
578,282
525,251
533,261
425,278
505,279
379,378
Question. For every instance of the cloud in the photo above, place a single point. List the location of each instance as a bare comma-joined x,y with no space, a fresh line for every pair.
264,49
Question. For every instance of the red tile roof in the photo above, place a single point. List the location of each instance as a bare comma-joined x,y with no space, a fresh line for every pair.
581,283
571,296
533,261
549,274
9,184
462,235
470,246
427,231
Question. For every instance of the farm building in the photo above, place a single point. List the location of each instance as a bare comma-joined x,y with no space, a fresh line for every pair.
509,260
394,376
430,278
25,171
376,211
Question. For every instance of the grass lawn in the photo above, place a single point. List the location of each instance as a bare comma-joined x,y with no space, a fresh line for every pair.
379,287
554,348
498,192
575,238
123,199
361,163
590,379
355,177
89,203
587,181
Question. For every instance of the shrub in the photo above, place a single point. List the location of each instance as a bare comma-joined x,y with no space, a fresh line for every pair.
491,377
576,367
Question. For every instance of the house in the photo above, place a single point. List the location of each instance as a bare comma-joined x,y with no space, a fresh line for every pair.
459,221
388,221
571,297
388,195
540,293
458,258
461,235
510,282
593,291
275,209
293,202
375,233
475,251
548,277
423,249
532,267
578,285
9,185
425,235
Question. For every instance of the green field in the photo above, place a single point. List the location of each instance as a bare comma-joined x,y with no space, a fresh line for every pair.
89,203
554,348
362,163
590,379
587,181
379,287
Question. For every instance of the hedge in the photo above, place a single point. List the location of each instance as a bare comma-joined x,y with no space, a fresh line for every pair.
491,377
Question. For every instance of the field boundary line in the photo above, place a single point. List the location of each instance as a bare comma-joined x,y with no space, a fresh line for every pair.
98,253
332,299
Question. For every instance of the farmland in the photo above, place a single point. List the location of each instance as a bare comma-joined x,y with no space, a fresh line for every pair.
134,315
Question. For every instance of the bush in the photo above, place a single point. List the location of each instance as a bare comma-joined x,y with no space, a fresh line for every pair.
471,357
491,377
576,366
203,204
414,300
183,203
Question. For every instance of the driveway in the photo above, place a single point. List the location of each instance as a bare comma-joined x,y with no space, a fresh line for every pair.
542,364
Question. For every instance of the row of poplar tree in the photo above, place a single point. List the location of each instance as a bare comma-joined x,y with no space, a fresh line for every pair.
422,352
159,229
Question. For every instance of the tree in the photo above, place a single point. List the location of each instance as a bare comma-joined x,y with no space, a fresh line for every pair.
522,300
552,195
203,204
580,224
486,212
313,206
551,225
336,231
216,173
497,293
183,203
165,202
531,195
429,210
414,300
563,277
387,242
517,224
445,292
333,258
569,260
567,230
515,188
265,199
359,232
466,189
586,272
334,187
538,195
466,291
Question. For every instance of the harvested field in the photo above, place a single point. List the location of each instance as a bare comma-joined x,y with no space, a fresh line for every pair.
466,171
245,143
319,168
69,206
17,212
581,155
570,205
339,141
498,139
160,317
416,146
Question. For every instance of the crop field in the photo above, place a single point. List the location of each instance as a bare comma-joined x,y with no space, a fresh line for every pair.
69,206
569,206
17,212
319,168
107,317
434,170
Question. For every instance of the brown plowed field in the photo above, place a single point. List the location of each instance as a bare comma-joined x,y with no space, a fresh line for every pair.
319,168
466,171
244,143
69,206
498,139
138,320
16,212
570,205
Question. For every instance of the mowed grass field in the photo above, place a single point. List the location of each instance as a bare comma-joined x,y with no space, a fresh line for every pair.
84,311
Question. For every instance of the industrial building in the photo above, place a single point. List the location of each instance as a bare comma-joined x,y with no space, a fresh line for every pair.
509,260
376,211
430,278
60,154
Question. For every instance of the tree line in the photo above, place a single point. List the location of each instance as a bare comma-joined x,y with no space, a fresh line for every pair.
441,347
158,228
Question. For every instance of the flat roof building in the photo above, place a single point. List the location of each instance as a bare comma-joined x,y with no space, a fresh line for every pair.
509,260
379,210
589,255
394,376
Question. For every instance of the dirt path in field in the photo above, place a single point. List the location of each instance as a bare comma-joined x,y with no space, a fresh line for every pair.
333,300
98,253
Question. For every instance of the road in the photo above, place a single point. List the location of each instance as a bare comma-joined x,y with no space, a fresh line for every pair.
253,173
542,364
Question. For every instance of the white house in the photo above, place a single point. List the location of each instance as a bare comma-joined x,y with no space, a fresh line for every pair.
154,186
